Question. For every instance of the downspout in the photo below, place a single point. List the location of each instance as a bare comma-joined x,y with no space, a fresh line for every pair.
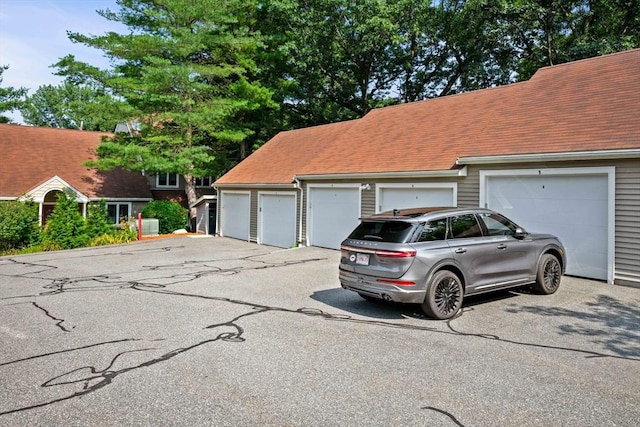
217,233
298,186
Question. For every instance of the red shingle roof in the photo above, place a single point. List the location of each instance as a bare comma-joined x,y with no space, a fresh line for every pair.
33,155
587,105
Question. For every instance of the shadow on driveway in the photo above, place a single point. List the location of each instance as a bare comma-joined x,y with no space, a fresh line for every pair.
352,303
607,321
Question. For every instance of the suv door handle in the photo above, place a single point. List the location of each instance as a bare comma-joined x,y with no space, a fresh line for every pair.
461,251
502,246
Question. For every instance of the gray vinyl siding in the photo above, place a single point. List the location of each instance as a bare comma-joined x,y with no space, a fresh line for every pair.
303,220
136,208
627,233
300,199
469,189
368,199
253,217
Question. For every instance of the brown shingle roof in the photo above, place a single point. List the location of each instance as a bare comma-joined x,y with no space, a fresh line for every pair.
587,105
33,155
285,155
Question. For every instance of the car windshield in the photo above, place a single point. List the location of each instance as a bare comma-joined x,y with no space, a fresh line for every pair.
383,231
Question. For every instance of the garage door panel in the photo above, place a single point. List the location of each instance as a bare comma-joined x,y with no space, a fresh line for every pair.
278,220
412,197
575,208
585,256
333,214
235,215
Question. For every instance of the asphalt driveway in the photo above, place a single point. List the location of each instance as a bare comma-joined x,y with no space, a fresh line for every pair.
214,331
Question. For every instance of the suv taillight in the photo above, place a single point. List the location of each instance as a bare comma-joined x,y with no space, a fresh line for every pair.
396,254
380,252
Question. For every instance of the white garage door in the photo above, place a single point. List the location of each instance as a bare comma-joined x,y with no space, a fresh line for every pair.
333,213
277,219
415,196
573,207
235,213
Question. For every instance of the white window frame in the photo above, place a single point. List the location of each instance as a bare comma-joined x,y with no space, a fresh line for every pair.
426,185
118,205
166,175
202,179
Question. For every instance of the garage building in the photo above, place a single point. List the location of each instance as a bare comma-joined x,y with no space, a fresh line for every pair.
559,153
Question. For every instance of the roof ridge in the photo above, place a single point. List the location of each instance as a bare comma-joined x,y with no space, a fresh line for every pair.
578,62
52,129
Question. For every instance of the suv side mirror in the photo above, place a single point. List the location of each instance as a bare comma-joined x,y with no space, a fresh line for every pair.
520,233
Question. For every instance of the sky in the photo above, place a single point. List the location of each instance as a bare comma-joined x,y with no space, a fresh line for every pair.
33,36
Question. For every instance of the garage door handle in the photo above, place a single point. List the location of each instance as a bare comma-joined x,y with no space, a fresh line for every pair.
502,246
461,251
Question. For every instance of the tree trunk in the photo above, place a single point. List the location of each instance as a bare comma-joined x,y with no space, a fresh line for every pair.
192,196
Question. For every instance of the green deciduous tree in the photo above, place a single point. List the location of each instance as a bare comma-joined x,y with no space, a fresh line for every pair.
71,106
335,56
453,46
187,71
10,98
339,58
550,32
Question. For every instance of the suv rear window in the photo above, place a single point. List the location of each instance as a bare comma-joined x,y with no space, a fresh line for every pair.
383,231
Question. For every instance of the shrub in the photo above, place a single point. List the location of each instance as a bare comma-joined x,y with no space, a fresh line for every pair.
19,225
98,220
65,227
171,215
124,235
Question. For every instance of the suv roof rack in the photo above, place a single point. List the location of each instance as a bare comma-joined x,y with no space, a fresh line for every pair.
407,213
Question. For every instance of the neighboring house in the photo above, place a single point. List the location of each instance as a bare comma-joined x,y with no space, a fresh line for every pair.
559,153
38,163
171,186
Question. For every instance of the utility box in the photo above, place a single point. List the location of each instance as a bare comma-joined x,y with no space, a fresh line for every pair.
150,226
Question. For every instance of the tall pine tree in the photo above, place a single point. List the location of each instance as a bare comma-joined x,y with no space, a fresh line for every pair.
187,73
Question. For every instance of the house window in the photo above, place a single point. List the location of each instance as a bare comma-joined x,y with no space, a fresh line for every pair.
167,180
118,212
203,182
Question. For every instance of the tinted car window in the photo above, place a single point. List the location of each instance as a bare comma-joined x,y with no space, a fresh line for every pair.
382,231
434,230
498,225
465,226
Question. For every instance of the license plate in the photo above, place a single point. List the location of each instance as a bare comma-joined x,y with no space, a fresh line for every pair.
362,259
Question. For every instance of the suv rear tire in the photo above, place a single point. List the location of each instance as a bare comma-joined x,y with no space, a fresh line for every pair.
549,275
444,295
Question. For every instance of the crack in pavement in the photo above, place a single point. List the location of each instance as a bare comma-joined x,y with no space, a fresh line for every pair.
91,378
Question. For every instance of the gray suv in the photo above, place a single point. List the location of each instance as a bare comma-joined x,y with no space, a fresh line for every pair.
436,256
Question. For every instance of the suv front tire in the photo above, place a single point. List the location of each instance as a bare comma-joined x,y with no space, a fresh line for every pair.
549,275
